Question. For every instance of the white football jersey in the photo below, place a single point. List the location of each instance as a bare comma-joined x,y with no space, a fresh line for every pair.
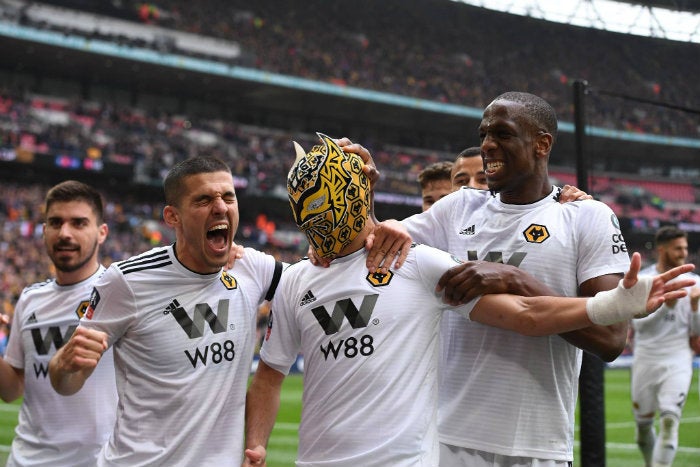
502,392
370,347
53,429
183,347
664,334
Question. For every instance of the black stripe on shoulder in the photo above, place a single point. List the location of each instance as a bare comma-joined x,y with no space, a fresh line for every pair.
144,260
38,285
156,255
143,266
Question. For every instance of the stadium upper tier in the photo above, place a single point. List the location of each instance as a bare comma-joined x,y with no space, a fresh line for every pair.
87,135
435,49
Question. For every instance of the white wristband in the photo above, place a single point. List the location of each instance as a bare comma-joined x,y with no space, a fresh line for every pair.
620,304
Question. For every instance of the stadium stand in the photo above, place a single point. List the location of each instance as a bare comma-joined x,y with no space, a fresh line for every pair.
462,61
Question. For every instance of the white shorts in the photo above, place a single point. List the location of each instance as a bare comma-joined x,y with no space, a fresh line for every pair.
455,456
660,386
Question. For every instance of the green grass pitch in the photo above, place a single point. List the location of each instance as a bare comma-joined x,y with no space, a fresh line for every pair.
621,450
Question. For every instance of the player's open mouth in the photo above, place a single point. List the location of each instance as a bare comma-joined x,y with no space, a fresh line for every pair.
217,236
492,167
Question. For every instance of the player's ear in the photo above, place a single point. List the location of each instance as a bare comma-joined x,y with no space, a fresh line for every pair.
543,144
171,216
103,231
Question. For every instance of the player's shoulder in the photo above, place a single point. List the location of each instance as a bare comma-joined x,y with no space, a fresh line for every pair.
586,205
423,256
467,191
303,264
470,195
464,196
150,260
592,213
256,262
421,249
250,252
37,287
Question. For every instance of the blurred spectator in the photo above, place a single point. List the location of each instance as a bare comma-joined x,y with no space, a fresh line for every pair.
435,182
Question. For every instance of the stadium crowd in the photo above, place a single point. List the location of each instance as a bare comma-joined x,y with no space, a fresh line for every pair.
455,59
153,140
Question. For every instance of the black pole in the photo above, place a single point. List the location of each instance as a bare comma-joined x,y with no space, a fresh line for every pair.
591,379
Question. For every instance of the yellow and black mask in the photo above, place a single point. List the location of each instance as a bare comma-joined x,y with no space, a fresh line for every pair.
329,195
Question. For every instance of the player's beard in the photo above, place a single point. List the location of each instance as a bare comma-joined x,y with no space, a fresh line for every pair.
67,266
672,261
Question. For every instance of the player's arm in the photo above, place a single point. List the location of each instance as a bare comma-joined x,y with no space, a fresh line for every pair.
11,381
694,296
694,340
606,342
73,364
261,406
11,378
540,316
466,281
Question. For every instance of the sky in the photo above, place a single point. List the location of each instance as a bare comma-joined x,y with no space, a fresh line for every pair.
605,14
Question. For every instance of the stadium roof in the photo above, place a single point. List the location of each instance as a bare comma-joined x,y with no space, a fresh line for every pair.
665,19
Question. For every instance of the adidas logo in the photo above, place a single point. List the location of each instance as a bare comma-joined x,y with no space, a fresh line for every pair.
308,298
471,230
174,305
32,318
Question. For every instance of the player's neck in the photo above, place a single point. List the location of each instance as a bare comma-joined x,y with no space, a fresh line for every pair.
79,275
526,193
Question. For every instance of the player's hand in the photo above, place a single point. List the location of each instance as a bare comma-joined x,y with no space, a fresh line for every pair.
236,252
471,279
571,193
83,350
389,242
663,287
369,168
637,297
255,457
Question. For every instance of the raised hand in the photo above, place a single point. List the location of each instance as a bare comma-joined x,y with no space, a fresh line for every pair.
637,297
663,288
83,350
